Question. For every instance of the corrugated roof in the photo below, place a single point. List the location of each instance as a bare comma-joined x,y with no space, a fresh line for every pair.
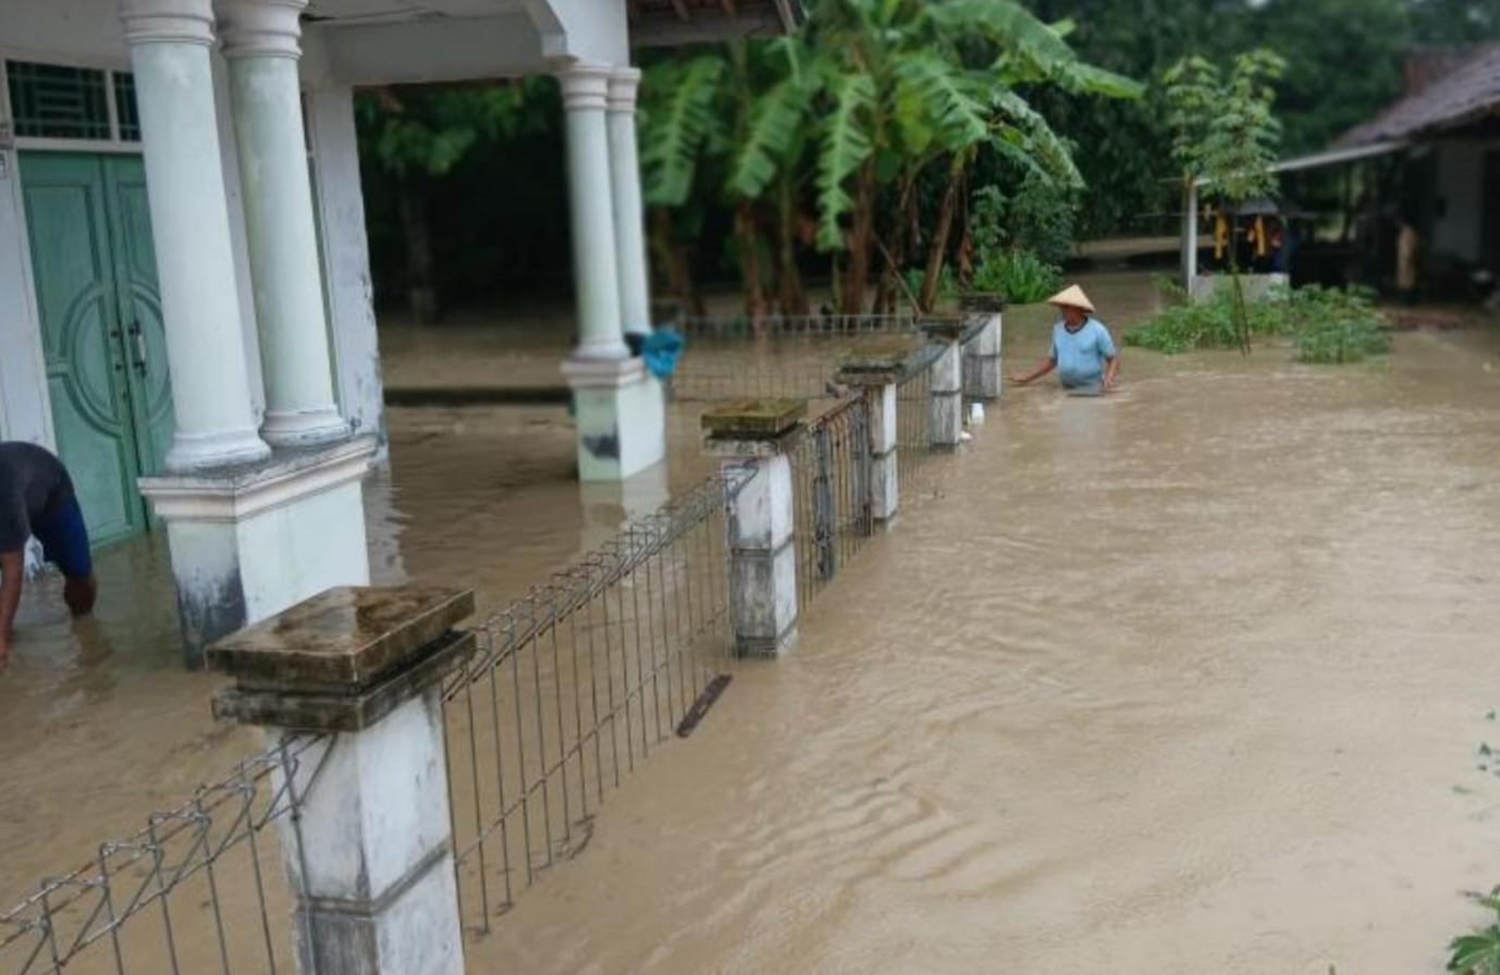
1469,92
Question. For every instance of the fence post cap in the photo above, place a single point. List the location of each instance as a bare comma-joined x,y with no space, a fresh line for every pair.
343,659
948,329
875,364
754,417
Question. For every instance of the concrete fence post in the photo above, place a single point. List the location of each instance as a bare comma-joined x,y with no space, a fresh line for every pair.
983,368
757,436
369,846
876,370
945,413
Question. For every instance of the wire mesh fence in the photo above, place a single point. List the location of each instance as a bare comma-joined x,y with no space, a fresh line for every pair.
913,406
831,519
575,685
201,888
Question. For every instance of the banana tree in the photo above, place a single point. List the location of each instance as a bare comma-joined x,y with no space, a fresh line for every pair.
904,95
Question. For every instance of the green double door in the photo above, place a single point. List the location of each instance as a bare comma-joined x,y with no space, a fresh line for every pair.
94,269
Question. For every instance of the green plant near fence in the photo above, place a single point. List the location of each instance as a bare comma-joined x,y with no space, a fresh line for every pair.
1326,325
1020,275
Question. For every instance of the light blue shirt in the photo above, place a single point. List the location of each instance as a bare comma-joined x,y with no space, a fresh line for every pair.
1080,356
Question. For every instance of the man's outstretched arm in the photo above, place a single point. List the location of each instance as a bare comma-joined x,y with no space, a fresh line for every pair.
12,572
1035,374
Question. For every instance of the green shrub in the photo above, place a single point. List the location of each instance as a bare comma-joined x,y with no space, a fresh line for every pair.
1329,325
1478,953
1326,325
1021,276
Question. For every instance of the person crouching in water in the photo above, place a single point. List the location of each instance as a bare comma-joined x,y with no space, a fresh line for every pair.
1083,353
36,498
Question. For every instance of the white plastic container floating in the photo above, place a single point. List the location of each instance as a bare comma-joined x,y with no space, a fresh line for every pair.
976,413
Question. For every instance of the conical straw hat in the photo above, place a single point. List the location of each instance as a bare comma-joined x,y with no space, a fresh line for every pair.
1073,297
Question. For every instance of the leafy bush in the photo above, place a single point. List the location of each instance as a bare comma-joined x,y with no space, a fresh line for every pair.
1329,325
1325,324
1478,953
1021,276
1037,217
947,283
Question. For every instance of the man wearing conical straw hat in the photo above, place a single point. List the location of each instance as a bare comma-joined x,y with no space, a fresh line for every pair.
1083,353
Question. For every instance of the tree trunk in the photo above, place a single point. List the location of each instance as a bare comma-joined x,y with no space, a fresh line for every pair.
856,277
937,251
748,237
675,263
1241,312
420,289
888,294
792,295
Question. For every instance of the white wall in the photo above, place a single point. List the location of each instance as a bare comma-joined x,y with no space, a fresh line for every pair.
25,411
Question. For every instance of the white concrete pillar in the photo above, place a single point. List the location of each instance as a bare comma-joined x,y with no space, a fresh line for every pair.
596,281
983,368
877,372
346,258
261,42
369,851
945,415
169,52
1190,240
629,211
753,442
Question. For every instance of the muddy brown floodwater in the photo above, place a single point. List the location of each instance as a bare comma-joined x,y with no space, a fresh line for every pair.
1185,679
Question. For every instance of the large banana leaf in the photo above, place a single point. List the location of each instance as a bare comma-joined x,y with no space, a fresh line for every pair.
846,144
776,120
679,117
937,102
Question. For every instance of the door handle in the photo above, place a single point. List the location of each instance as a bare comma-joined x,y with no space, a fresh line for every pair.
140,347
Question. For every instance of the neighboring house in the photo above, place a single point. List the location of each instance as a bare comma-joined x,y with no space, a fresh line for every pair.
1432,157
185,300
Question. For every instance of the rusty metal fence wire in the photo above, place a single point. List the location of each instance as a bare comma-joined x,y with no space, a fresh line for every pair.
913,407
575,685
201,888
831,518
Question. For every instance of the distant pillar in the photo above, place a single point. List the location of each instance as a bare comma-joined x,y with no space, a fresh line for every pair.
368,846
754,438
169,44
596,281
945,415
876,370
1190,240
983,367
619,407
261,41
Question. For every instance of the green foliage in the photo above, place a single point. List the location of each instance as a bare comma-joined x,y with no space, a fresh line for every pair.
1018,240
428,131
1333,326
675,126
1326,325
1479,953
1020,275
1222,127
947,289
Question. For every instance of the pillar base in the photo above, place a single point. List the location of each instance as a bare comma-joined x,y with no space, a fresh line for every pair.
247,542
200,453
620,416
296,431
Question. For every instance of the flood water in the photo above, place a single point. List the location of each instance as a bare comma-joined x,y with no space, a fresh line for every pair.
1188,678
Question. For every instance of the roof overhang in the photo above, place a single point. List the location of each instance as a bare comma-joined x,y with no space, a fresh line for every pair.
1330,157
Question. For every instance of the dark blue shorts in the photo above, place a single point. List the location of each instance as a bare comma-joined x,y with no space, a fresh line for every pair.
65,540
